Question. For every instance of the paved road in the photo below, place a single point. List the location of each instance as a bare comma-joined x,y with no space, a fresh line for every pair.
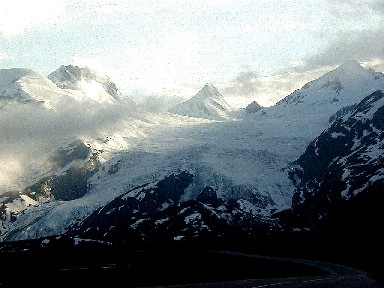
339,277
112,275
358,281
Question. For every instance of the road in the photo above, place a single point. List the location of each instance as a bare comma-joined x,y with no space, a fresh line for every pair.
165,269
339,277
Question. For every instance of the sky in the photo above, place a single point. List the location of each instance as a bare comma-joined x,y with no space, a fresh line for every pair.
258,50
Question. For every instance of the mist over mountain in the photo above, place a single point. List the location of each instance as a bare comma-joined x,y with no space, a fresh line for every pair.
27,86
93,84
107,170
37,117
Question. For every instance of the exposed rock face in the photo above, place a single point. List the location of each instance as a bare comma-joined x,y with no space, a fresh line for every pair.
68,170
155,211
209,196
343,164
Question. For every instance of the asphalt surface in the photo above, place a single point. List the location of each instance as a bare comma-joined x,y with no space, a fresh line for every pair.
164,269
339,277
357,281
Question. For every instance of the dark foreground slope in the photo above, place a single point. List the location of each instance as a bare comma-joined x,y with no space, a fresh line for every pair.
68,262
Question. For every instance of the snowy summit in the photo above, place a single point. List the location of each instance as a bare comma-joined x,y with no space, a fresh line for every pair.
207,103
91,84
22,86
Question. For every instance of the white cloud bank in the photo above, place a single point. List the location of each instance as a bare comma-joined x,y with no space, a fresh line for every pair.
29,133
17,16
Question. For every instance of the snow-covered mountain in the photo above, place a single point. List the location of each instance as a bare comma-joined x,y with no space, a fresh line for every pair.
253,107
156,211
343,165
336,89
207,103
320,101
63,177
167,174
28,87
84,83
19,85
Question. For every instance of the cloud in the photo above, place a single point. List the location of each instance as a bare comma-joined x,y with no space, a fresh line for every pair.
20,16
366,47
360,46
368,3
376,64
248,86
375,5
3,56
17,16
29,133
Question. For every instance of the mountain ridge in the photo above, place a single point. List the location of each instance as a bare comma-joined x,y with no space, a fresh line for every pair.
239,169
20,85
338,88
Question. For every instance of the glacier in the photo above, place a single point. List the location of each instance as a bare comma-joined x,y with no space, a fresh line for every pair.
238,154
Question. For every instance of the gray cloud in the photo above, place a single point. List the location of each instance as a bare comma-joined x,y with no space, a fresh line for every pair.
29,133
366,47
376,5
267,90
360,46
246,83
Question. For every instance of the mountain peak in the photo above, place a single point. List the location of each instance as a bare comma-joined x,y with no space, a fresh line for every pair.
73,77
21,85
253,107
71,74
350,65
209,86
208,91
327,95
207,103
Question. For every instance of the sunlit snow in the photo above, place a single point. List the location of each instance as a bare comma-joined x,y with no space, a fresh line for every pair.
231,151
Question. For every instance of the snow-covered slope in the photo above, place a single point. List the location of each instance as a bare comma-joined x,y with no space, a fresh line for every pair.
84,83
345,161
19,85
170,218
207,103
234,168
243,168
320,99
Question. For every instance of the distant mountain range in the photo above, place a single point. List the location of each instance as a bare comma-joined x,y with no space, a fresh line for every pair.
65,84
202,170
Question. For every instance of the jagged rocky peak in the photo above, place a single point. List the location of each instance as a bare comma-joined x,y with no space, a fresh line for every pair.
70,76
253,107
